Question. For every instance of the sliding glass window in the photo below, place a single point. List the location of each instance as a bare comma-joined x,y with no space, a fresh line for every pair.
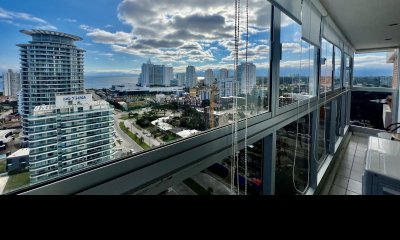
297,80
373,69
325,84
337,77
347,73
293,154
324,133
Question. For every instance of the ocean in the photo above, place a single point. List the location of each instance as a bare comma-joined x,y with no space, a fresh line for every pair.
100,82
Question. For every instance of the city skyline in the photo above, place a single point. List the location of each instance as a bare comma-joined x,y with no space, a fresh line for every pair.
200,35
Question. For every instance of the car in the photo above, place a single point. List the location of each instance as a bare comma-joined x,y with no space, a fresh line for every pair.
132,151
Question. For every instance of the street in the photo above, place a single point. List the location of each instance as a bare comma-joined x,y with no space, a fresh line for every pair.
127,142
148,140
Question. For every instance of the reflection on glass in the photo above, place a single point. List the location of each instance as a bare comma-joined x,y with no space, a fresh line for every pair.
370,109
347,74
337,81
216,180
326,66
293,151
183,88
297,65
324,133
373,70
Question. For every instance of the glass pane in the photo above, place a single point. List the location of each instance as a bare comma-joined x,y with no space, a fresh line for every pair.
371,109
338,121
337,81
297,81
373,70
153,80
347,74
326,66
293,155
324,133
217,179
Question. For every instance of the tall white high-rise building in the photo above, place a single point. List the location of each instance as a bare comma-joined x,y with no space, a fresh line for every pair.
209,77
155,75
181,77
223,73
65,128
146,74
191,77
73,133
12,83
242,74
225,87
51,64
168,76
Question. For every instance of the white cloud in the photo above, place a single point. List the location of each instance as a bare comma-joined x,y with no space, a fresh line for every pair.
371,61
183,31
102,36
70,20
107,54
21,19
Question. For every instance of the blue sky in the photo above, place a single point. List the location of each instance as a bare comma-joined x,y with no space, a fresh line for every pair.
119,35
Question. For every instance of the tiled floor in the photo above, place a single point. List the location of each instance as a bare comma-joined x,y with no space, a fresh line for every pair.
348,179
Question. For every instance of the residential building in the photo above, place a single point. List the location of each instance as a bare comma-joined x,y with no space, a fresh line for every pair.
223,73
181,77
73,133
155,75
51,64
18,160
12,83
225,87
191,77
209,77
242,75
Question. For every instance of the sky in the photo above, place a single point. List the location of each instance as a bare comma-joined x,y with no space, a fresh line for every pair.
120,35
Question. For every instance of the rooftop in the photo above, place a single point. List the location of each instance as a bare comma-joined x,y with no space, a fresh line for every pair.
21,152
37,31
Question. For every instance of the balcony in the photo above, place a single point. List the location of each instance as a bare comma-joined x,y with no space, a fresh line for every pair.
295,142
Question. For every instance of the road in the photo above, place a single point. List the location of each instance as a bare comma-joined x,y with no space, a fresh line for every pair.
128,142
148,140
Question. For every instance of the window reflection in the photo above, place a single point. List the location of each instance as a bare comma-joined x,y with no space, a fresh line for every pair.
297,65
337,81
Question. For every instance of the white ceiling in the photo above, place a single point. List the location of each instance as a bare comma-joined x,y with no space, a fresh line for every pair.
365,22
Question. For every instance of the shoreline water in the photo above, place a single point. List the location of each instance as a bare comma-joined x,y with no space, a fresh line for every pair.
99,82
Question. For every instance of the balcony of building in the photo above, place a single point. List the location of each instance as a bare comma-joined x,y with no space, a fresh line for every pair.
310,134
